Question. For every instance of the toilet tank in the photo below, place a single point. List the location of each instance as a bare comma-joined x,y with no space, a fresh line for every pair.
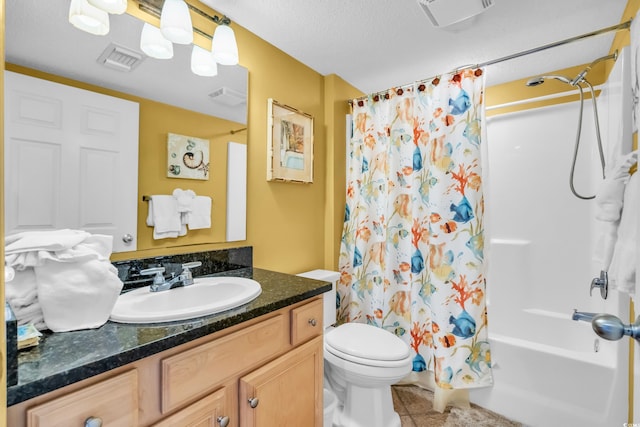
329,316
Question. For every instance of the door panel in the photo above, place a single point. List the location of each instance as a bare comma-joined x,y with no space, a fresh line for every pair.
71,160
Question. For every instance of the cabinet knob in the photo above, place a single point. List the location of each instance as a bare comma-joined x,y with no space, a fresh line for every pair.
93,422
223,421
127,238
253,402
313,322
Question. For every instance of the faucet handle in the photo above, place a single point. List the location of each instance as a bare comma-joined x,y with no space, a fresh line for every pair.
192,264
186,273
601,282
158,278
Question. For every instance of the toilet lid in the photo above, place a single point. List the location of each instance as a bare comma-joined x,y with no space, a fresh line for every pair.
366,342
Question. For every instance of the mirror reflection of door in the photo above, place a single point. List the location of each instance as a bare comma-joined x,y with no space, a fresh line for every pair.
167,82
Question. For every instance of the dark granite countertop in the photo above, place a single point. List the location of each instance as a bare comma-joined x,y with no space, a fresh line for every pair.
67,357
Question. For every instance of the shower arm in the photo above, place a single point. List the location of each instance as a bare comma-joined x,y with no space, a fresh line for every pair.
580,77
608,326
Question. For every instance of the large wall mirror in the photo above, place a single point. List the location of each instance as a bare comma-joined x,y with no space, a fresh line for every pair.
39,37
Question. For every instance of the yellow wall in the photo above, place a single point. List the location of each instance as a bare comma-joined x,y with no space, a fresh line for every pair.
337,91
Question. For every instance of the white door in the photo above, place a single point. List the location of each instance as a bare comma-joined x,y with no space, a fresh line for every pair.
71,160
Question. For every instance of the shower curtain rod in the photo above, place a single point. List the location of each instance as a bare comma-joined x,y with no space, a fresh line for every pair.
622,26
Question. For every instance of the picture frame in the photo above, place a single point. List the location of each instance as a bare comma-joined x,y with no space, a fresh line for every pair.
187,157
290,144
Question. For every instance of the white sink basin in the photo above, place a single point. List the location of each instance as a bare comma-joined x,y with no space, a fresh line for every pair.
207,295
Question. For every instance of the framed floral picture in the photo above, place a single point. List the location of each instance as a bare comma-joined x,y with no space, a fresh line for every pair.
290,144
188,157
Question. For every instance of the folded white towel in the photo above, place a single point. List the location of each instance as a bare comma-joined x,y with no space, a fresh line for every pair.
200,215
22,290
164,217
78,288
48,240
622,272
75,288
77,295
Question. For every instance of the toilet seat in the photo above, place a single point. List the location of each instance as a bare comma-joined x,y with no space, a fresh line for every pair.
367,345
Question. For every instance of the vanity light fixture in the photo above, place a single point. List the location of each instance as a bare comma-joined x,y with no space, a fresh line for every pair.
223,44
202,62
117,7
175,22
89,18
153,43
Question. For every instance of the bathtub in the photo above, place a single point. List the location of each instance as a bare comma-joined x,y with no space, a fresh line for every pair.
557,372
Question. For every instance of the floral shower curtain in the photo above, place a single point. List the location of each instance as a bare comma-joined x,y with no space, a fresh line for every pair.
412,250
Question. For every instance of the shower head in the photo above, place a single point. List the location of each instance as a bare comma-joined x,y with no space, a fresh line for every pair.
580,77
536,81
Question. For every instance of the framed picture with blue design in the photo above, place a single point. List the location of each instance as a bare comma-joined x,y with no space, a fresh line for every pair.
290,144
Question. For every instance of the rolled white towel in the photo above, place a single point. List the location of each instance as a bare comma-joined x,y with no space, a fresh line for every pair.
184,198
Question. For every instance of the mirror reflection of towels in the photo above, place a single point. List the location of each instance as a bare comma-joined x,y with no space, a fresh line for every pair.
200,215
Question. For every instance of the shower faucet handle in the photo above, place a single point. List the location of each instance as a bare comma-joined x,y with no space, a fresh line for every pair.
611,327
601,282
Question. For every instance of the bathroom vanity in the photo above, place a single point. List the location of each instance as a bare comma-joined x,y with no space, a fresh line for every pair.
258,365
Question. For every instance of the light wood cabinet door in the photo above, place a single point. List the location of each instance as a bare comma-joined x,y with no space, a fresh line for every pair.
285,392
211,411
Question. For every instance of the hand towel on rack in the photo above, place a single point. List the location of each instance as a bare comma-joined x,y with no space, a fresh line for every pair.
200,215
622,272
608,206
164,217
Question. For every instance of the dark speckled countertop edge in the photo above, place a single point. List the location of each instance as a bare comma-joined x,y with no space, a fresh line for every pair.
36,377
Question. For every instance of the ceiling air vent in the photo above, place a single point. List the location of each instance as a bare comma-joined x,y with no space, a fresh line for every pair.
448,12
120,58
227,96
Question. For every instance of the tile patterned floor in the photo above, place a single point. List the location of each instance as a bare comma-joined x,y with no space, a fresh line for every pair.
414,405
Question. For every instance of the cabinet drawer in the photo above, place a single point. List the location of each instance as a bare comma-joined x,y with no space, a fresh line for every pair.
195,372
306,322
114,401
209,411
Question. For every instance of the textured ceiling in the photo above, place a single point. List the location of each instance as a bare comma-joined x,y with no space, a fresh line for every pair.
372,44
377,44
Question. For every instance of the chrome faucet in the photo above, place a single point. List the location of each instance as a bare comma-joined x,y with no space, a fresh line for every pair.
581,315
161,284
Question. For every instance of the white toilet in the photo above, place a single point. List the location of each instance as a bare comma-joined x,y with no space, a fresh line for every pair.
360,364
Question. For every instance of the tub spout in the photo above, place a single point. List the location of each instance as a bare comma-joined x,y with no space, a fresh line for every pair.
584,316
